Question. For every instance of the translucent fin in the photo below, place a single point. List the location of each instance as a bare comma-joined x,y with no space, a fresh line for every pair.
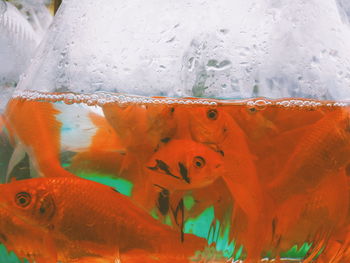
17,156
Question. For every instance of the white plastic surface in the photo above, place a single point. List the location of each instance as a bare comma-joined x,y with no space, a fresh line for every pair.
203,48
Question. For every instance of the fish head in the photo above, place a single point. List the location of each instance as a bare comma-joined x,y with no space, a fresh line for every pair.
161,122
185,164
19,221
29,200
208,124
26,240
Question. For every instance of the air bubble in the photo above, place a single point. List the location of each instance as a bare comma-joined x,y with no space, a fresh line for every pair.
261,104
102,98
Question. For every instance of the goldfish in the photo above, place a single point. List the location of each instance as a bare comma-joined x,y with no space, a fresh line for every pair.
185,164
214,127
105,152
85,221
27,241
142,129
34,129
325,147
315,215
176,167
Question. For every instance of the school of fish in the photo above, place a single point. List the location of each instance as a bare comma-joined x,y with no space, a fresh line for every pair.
278,176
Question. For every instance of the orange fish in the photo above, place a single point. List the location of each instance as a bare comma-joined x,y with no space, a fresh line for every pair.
34,129
313,216
216,128
141,128
25,240
89,221
178,166
324,148
105,153
184,165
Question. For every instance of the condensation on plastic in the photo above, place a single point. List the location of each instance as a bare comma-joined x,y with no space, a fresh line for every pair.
202,48
18,42
36,12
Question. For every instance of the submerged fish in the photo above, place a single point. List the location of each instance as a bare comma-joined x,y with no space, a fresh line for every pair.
324,148
178,166
141,128
89,222
216,128
34,128
185,164
104,154
313,216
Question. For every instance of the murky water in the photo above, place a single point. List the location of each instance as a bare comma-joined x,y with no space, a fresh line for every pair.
221,179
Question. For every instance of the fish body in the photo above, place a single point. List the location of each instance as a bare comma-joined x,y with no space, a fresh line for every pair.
314,216
141,128
323,148
216,128
176,167
25,240
33,126
105,152
86,219
185,165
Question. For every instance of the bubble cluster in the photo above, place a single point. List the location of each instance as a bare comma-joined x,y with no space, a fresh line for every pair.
102,98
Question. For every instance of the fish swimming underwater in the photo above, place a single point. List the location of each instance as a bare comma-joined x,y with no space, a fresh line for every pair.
214,127
89,222
178,166
105,153
27,241
34,128
184,165
324,148
141,128
313,216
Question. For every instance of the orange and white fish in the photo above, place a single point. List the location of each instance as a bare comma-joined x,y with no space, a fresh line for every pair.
105,153
34,128
216,128
89,222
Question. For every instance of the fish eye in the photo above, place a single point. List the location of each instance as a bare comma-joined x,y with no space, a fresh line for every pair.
23,199
212,114
198,162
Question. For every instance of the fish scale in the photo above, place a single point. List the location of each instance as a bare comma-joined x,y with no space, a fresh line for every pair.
99,223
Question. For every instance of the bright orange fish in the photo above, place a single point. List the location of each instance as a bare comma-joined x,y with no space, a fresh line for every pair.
178,166
141,128
216,128
26,241
34,129
313,216
91,222
184,165
324,148
105,153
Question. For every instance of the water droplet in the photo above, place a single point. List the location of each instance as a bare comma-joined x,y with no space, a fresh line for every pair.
171,40
3,8
224,31
215,65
